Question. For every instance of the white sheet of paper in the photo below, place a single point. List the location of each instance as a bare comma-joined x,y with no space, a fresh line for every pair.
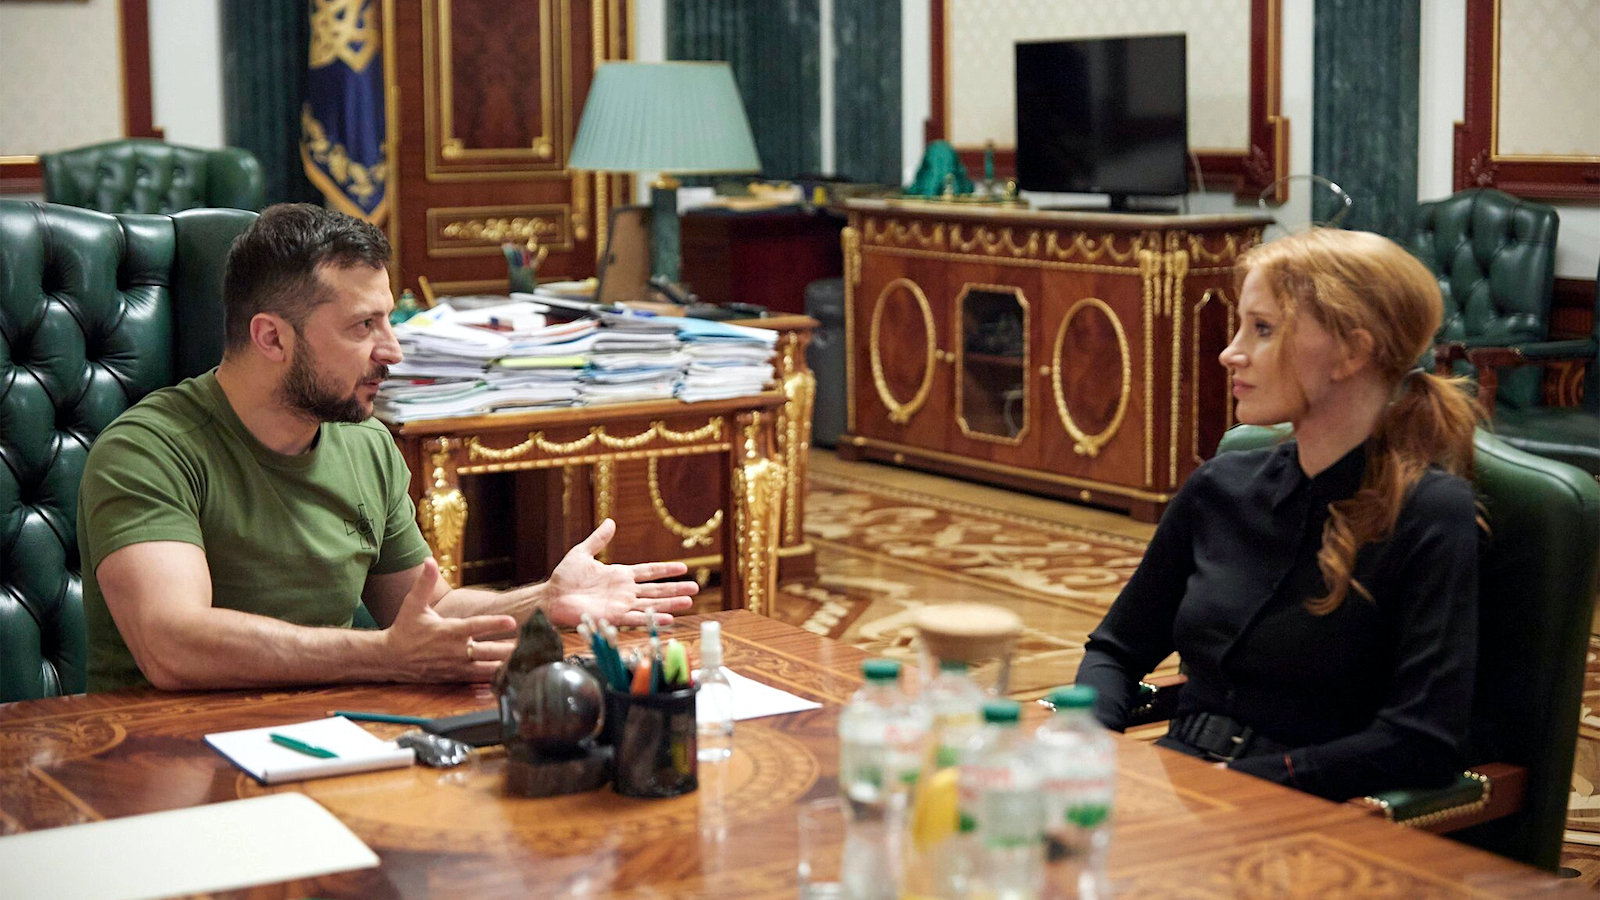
358,750
217,847
753,700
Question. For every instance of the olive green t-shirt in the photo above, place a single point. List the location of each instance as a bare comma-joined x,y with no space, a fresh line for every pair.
291,537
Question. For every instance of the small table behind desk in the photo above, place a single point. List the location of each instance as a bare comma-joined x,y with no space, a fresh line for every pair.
1182,827
739,434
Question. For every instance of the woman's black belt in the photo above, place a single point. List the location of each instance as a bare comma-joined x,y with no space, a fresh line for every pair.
1221,738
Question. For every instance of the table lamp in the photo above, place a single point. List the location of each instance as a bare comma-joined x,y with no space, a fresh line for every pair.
672,117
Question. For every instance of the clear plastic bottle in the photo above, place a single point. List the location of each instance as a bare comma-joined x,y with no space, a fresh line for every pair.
955,711
881,733
1001,811
1078,759
713,707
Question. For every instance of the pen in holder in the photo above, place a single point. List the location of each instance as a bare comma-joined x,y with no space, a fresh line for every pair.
522,264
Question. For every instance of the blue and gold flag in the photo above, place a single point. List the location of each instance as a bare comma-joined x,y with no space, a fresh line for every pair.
342,122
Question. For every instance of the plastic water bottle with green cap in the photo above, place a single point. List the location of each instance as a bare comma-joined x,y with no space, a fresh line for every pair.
881,733
1000,807
1078,759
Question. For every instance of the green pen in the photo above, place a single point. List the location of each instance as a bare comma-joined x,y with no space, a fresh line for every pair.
391,718
283,740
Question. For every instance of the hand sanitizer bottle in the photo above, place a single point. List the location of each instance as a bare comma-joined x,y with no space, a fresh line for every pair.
714,704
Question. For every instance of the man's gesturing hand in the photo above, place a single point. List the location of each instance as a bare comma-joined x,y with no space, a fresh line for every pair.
613,593
425,646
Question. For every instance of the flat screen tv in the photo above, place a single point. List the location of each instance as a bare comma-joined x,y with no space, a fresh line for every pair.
1103,116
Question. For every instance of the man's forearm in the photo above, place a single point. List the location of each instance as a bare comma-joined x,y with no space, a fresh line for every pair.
224,648
519,603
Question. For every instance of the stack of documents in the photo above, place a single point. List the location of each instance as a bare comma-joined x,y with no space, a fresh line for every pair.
725,360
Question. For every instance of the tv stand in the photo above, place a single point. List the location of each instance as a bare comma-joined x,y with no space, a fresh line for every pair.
1068,354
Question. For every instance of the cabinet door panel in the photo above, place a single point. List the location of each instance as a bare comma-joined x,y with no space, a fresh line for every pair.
901,328
1094,417
995,386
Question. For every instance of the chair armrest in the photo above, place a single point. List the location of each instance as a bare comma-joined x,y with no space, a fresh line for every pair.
1477,795
1488,360
1446,355
1158,698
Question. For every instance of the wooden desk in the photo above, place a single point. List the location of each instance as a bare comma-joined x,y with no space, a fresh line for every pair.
1183,828
740,434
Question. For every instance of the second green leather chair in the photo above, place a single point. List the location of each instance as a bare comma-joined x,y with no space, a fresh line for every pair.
1536,586
149,176
96,311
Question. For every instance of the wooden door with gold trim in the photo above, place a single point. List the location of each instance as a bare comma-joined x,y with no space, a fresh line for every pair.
484,98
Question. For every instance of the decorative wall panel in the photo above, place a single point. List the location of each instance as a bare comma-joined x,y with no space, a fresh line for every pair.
982,100
1548,71
43,80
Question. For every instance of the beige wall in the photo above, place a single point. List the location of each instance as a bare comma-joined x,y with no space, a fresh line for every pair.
61,77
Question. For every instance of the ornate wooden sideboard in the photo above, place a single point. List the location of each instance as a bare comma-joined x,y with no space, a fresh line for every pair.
1068,353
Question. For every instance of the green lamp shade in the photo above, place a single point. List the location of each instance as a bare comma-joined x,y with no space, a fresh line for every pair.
677,117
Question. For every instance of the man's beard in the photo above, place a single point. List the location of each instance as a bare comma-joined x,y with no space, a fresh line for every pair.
303,391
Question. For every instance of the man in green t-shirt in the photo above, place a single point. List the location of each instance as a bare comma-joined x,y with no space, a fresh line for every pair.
229,526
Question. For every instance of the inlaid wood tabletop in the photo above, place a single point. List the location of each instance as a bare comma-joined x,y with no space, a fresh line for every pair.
1183,828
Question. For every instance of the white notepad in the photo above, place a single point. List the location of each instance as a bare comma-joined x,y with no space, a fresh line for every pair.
754,700
217,847
357,751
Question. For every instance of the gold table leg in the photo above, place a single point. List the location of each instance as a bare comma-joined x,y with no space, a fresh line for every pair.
442,511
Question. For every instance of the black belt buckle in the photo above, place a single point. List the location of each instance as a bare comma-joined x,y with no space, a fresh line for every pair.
1220,738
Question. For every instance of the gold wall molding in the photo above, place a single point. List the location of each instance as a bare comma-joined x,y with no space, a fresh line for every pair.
446,155
1085,444
901,412
480,230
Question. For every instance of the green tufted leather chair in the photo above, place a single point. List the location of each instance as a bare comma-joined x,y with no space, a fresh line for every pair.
148,176
1535,596
1495,257
1568,433
96,311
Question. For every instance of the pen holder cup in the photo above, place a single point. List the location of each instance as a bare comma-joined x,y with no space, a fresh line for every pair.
654,752
523,279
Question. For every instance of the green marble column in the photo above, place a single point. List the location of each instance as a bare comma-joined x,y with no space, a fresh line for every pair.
265,51
866,90
1365,108
773,49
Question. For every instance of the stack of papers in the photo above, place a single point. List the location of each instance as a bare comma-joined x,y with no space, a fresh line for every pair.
508,357
725,360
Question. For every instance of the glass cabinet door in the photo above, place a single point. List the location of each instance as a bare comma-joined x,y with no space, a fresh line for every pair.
991,372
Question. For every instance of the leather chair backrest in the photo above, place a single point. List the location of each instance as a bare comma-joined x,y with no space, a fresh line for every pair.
1536,587
149,176
1495,257
96,311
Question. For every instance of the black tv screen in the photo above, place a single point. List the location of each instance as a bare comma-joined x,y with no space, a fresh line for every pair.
1103,116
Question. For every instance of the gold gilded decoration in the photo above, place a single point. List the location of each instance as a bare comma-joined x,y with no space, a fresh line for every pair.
580,209
603,487
1086,444
851,239
1230,251
692,536
442,511
1194,371
712,430
1081,246
481,230
1428,820
900,413
1149,270
342,30
800,389
758,506
448,157
350,178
